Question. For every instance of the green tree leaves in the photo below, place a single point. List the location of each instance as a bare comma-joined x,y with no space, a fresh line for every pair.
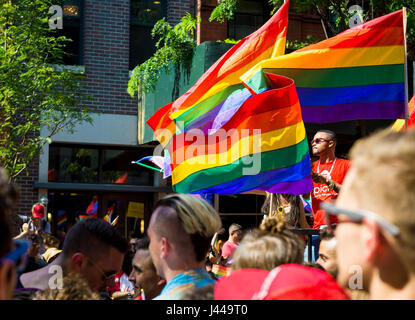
175,45
34,94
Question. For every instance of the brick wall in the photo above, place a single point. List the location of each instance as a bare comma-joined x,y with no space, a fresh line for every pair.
209,31
302,25
106,37
299,25
176,9
28,195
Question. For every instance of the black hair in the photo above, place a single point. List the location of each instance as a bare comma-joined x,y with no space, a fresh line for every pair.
142,244
91,236
331,133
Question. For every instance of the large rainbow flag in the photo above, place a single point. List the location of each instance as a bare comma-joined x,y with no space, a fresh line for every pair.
219,87
358,74
262,147
221,82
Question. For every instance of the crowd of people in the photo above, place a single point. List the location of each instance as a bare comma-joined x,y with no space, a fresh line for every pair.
364,249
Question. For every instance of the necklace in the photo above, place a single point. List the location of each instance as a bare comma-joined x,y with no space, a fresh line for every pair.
331,169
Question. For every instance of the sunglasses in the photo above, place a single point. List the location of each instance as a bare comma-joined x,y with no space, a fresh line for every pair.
357,216
319,140
18,255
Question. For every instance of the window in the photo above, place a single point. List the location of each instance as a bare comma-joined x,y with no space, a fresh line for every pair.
144,14
72,21
250,16
84,164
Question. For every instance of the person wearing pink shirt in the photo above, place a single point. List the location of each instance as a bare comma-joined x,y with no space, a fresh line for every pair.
235,236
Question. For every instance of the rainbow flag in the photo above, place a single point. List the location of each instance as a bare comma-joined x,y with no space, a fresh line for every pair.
108,216
62,219
92,210
358,74
221,82
262,147
399,124
219,92
205,100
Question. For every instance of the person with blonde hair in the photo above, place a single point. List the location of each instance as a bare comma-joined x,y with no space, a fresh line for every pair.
74,287
269,246
180,231
376,221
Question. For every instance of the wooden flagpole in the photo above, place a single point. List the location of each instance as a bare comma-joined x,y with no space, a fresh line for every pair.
405,68
271,202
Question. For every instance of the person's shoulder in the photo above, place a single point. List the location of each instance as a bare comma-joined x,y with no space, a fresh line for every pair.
227,243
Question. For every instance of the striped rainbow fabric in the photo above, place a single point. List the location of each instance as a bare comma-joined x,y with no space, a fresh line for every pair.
221,81
266,134
358,74
399,124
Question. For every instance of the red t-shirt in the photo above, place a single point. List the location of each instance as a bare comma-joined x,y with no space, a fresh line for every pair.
321,192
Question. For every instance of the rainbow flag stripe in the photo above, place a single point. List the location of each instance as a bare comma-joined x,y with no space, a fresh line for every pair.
221,271
358,74
399,124
161,124
62,222
267,132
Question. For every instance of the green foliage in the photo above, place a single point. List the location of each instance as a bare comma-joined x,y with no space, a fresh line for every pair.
334,14
224,11
175,46
231,41
34,96
296,44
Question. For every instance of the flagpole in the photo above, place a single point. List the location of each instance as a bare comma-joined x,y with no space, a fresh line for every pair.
271,200
144,165
405,68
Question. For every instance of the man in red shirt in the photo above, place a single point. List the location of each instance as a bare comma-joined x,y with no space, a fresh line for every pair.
328,175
